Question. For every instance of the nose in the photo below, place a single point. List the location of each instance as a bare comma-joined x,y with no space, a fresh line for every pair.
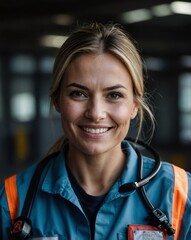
95,110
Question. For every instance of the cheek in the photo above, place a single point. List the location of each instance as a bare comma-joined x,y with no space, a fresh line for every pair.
70,112
122,115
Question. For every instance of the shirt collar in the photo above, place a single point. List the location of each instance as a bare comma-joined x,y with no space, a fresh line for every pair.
129,173
56,179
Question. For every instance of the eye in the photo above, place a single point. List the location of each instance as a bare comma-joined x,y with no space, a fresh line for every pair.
78,94
115,95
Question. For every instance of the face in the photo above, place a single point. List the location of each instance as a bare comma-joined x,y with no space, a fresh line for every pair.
96,104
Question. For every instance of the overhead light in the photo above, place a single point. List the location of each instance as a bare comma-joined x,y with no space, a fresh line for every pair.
181,7
53,41
161,10
186,61
138,15
63,19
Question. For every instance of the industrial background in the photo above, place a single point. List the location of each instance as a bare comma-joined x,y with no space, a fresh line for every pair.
31,33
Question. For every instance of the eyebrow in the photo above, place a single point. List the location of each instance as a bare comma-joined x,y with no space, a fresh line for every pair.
77,85
117,86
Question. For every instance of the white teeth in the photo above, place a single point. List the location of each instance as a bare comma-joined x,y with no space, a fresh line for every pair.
95,130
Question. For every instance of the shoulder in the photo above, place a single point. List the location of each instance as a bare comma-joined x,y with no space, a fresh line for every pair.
22,182
166,169
170,176
23,179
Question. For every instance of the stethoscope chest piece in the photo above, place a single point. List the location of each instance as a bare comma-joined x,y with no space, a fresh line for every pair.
21,229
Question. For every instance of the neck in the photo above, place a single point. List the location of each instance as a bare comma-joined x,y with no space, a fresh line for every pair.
96,174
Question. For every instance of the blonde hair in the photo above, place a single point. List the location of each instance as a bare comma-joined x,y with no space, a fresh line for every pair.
99,38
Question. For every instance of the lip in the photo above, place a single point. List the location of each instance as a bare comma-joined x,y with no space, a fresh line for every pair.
95,131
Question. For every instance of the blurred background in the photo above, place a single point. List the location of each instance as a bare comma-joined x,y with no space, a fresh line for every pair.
31,33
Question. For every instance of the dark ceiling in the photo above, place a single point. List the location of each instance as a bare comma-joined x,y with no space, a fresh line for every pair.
23,23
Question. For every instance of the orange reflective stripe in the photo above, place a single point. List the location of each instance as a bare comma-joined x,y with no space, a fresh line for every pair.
12,196
179,198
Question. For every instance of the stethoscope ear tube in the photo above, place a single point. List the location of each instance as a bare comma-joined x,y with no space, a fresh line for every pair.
22,226
142,181
23,222
157,217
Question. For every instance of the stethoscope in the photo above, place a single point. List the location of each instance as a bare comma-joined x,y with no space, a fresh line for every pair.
22,227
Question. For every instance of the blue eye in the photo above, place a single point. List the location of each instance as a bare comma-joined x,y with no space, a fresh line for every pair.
78,94
115,95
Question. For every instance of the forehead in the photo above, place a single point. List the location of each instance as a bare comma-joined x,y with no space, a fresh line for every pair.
100,60
101,68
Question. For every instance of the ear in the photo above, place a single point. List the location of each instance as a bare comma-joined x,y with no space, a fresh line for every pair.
134,110
57,105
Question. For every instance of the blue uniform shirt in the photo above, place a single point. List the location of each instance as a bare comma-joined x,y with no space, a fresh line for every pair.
57,213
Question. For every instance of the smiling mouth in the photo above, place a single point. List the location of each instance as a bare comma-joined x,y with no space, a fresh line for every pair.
95,130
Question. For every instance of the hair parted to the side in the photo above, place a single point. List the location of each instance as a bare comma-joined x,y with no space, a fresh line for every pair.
100,38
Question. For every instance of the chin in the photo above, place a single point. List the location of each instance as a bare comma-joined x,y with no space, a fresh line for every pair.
91,149
96,150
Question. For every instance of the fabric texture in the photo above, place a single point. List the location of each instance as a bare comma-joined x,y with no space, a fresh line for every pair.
57,212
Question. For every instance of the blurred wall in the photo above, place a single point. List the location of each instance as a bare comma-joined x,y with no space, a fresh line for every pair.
26,128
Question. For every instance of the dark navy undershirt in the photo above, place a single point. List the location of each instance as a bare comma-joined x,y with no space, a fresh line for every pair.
90,204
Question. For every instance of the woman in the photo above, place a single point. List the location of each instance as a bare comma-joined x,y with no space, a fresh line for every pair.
98,89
